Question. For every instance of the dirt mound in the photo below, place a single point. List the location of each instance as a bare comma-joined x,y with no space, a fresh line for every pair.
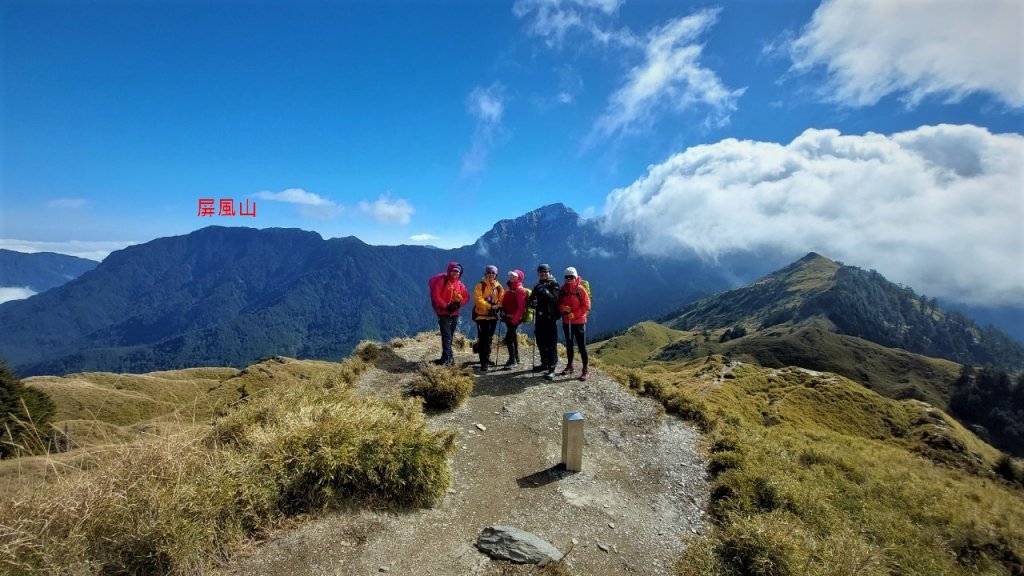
639,497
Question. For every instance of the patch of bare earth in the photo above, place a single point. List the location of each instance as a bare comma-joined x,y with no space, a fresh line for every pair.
631,509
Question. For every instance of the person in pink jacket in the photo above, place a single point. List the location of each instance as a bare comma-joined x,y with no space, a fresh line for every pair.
513,306
447,295
574,303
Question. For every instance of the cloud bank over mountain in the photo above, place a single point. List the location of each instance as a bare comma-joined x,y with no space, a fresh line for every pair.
937,208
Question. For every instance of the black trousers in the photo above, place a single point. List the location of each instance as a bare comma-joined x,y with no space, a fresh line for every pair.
547,342
512,342
576,333
485,336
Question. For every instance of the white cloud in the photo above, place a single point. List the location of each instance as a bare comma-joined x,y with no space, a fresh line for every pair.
90,249
15,293
295,196
951,48
423,237
386,211
937,208
671,76
67,203
553,20
487,106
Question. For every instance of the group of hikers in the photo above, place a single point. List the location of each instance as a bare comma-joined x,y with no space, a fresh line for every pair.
547,303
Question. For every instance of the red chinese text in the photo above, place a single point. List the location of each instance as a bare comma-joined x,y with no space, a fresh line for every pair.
225,207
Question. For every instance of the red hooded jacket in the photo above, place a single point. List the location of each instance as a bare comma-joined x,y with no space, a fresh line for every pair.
574,302
514,303
444,289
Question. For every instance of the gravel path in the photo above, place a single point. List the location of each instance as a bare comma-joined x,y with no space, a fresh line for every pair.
639,497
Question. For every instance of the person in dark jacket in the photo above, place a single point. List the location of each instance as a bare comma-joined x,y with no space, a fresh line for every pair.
544,301
447,295
513,307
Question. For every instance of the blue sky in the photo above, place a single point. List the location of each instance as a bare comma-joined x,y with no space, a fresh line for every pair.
886,134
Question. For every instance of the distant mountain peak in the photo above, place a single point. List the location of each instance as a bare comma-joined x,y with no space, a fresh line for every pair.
553,211
811,271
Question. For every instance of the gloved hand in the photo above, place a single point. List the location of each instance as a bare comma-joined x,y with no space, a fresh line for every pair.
566,308
452,306
570,315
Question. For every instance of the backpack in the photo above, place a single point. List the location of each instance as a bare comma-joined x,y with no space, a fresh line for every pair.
528,315
586,286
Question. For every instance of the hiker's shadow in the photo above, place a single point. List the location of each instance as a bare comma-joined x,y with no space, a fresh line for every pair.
498,382
389,361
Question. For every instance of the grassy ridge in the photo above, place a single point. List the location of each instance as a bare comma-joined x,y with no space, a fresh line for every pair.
96,408
633,347
813,474
180,502
891,372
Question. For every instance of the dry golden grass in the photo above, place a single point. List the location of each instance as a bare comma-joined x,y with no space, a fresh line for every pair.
181,500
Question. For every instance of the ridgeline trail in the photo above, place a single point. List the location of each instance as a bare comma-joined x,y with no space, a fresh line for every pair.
640,496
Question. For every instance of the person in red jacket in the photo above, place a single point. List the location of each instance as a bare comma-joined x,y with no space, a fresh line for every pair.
513,305
574,303
447,295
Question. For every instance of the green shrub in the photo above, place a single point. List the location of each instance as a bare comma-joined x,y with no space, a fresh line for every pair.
1007,470
25,415
442,387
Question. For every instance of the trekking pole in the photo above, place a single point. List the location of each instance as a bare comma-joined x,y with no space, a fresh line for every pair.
533,348
497,355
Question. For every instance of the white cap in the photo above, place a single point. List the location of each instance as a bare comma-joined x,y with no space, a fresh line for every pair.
570,271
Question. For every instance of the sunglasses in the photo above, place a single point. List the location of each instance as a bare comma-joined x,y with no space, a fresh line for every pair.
569,277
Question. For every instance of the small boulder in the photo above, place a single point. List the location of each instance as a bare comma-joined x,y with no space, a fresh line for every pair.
515,545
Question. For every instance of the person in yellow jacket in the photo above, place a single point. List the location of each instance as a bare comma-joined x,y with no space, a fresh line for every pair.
487,296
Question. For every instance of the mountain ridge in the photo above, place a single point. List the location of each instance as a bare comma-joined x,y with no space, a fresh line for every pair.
855,303
229,296
40,271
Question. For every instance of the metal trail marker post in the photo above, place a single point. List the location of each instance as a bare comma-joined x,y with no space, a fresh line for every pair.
572,441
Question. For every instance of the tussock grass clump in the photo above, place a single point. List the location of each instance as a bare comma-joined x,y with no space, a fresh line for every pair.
330,445
442,387
180,503
368,351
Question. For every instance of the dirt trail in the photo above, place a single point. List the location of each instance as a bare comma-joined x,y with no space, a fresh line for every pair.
639,497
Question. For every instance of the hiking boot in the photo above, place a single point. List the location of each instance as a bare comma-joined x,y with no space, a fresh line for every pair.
584,375
567,371
483,368
550,375
510,365
541,368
